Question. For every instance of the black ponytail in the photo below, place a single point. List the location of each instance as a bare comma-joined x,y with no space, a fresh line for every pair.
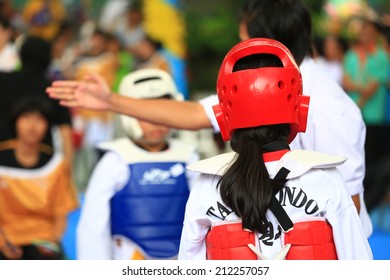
246,186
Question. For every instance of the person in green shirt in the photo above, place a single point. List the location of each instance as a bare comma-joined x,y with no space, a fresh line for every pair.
365,73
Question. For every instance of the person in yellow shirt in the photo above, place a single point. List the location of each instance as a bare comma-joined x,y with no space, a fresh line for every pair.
36,189
44,17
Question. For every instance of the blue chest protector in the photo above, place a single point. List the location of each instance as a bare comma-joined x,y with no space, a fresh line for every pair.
149,210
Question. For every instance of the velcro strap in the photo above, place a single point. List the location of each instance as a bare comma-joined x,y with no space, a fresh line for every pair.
309,233
229,236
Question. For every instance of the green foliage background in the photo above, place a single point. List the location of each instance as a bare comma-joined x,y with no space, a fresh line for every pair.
212,30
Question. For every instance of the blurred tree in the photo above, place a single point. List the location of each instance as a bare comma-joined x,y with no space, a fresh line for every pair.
212,29
316,8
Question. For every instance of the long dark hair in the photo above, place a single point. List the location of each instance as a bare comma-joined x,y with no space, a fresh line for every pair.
246,186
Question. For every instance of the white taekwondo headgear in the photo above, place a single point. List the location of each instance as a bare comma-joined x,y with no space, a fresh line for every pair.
145,84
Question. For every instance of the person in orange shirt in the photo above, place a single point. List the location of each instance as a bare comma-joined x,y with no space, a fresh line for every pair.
36,189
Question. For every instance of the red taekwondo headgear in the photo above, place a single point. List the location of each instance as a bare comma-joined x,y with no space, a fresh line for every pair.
262,96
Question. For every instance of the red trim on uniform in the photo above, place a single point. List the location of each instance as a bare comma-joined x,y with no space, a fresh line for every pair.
274,156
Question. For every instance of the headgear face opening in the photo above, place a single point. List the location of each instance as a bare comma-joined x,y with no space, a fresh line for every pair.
145,84
261,96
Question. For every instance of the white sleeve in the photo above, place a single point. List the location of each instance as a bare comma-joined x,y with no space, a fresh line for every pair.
93,232
196,224
341,121
191,175
352,246
207,104
348,233
335,126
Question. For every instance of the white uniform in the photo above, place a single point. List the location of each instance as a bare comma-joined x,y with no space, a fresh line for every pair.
315,191
335,126
94,239
9,58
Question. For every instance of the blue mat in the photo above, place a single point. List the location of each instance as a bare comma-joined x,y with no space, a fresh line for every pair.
379,240
380,244
69,239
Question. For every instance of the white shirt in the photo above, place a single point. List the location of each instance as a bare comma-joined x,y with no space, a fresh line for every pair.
94,239
9,58
335,126
323,187
334,68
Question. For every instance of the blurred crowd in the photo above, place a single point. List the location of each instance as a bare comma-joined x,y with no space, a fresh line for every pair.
111,46
362,67
40,43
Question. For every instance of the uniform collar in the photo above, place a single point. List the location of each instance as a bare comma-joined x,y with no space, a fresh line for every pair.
274,156
275,150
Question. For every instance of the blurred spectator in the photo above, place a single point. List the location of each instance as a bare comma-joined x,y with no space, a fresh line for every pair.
6,9
9,57
318,48
129,28
61,62
148,54
366,69
331,60
31,80
92,126
44,17
36,191
386,44
124,60
96,57
112,12
14,17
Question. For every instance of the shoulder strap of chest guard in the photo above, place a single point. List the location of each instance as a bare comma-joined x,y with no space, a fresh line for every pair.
301,161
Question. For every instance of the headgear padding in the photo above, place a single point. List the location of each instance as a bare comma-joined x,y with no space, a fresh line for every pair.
145,84
261,96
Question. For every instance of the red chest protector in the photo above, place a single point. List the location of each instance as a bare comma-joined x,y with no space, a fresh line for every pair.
312,240
229,242
309,240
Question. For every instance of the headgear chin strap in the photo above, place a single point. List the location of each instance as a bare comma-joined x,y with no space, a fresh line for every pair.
145,84
262,96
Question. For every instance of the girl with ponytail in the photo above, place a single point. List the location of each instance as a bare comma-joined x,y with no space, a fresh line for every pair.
264,201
